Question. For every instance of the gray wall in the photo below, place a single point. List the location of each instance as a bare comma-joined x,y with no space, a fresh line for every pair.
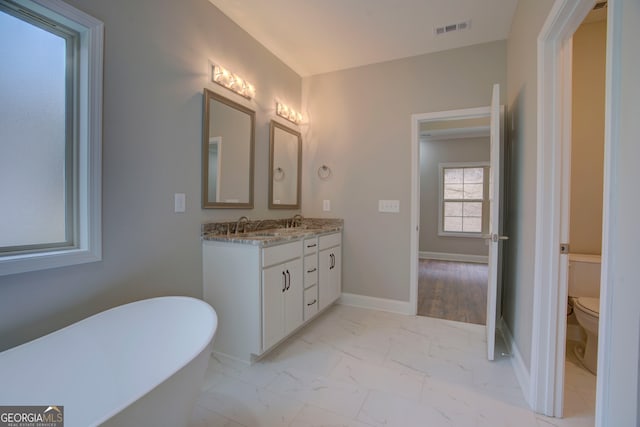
156,65
431,154
587,137
520,226
360,126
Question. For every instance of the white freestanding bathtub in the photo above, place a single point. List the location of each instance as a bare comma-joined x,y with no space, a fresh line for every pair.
140,364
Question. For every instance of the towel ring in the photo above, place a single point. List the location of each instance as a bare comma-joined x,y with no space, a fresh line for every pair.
324,172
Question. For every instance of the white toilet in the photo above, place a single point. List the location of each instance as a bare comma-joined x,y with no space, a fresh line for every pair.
584,291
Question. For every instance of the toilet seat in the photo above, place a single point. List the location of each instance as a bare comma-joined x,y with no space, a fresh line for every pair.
589,305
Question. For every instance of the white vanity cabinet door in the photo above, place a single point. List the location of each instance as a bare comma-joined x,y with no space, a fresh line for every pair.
274,282
282,294
330,270
293,297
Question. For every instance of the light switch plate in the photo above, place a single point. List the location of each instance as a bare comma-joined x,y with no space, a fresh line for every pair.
179,202
326,205
389,206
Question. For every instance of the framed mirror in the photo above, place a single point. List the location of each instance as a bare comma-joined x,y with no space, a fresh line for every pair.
227,153
285,167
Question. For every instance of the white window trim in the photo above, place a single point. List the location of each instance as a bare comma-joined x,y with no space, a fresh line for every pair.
441,167
89,240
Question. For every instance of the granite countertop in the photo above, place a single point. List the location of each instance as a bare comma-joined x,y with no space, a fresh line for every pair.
268,232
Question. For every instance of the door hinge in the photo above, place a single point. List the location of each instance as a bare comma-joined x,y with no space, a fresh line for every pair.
564,248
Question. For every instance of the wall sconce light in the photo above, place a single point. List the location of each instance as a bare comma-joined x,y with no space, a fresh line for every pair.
288,113
232,81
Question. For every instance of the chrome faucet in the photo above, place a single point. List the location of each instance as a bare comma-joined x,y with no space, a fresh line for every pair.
296,221
243,219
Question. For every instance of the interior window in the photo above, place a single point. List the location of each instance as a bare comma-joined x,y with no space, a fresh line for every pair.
463,199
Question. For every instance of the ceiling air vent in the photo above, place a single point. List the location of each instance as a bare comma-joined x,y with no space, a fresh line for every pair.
450,28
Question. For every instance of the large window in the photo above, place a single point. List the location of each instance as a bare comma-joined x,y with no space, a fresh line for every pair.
463,199
50,135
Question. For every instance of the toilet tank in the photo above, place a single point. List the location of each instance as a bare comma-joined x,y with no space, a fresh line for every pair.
584,275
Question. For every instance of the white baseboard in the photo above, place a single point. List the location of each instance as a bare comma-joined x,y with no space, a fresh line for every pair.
363,301
442,256
522,373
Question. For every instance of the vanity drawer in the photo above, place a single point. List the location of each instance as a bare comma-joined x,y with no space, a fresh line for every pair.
310,270
330,240
310,302
281,253
310,245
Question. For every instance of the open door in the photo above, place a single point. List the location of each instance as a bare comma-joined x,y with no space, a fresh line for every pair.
494,237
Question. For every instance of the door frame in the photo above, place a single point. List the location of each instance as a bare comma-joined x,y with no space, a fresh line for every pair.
546,390
416,120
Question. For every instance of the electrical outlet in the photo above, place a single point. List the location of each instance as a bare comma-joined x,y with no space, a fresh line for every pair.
389,206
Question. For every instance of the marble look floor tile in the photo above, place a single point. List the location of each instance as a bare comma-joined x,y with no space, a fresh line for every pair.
339,397
404,383
312,416
300,353
581,381
359,367
447,331
496,413
202,417
249,405
259,374
576,406
417,358
495,379
372,345
386,409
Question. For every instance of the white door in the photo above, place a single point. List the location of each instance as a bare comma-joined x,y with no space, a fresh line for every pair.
494,237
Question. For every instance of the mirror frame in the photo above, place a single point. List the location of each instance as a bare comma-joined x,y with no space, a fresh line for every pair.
210,95
272,128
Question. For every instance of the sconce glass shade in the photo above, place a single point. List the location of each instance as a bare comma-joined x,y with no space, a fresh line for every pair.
232,81
288,113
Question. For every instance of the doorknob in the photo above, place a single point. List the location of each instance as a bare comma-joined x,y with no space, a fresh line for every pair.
494,237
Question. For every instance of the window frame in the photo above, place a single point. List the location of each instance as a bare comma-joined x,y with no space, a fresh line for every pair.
485,199
87,129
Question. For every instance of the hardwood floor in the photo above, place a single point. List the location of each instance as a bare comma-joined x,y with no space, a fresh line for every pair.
453,291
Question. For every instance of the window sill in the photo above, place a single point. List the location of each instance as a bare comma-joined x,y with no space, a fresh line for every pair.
14,264
467,235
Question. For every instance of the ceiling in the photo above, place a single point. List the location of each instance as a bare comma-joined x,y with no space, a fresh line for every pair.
319,36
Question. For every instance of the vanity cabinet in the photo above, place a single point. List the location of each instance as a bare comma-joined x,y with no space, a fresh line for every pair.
263,292
329,269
